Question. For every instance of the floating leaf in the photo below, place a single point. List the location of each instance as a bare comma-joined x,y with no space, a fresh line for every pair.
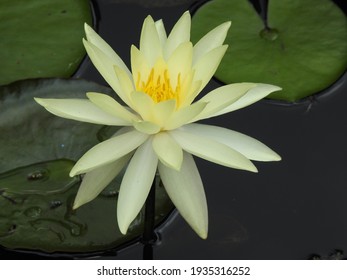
30,134
304,51
33,179
41,38
37,153
37,214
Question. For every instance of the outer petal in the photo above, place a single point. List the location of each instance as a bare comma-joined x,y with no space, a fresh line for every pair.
98,179
97,41
159,25
111,106
108,151
179,34
167,150
126,84
207,65
222,97
248,146
136,184
149,42
105,67
80,110
122,130
183,116
211,150
146,127
211,40
252,96
186,191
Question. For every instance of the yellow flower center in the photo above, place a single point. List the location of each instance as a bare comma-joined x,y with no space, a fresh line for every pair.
159,87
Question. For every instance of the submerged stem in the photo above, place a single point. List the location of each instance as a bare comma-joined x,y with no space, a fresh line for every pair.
267,33
148,236
263,12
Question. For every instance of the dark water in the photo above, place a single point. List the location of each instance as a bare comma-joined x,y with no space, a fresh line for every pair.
290,209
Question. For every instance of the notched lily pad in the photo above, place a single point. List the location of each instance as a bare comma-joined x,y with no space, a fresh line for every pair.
36,192
304,51
41,38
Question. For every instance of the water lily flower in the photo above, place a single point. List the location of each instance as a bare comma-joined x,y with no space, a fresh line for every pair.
159,114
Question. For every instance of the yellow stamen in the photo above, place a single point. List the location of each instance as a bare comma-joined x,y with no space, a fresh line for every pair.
158,86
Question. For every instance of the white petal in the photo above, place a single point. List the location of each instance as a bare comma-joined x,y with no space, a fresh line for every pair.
111,106
80,110
207,65
211,40
97,41
136,185
179,34
124,129
105,67
167,150
162,111
146,127
211,150
149,42
184,116
186,191
222,97
96,180
159,25
248,146
252,96
180,63
126,84
143,105
108,151
139,66
192,92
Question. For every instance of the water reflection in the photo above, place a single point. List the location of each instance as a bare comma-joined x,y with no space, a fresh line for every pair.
152,3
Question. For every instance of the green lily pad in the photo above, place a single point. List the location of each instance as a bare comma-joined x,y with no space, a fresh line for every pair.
304,51
33,180
30,134
38,151
41,38
36,214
